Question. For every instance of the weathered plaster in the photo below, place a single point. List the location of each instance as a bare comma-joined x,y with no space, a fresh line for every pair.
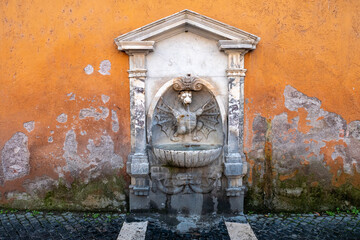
15,157
105,67
103,154
89,69
308,142
93,113
39,186
29,126
100,158
73,161
115,121
72,96
62,118
105,98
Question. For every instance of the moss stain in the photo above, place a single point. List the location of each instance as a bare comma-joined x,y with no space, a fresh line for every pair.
268,177
106,193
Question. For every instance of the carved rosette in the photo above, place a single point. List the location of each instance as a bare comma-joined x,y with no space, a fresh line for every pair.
187,83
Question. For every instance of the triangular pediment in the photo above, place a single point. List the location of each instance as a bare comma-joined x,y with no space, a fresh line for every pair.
188,21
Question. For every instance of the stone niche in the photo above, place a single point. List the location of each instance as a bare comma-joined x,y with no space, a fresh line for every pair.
186,102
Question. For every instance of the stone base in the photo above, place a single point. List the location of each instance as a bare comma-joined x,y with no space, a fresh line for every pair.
215,201
237,204
139,203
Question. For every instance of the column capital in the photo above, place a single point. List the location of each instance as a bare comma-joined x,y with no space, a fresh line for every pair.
137,73
237,45
135,47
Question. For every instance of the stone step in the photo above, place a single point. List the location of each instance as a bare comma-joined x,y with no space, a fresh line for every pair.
137,231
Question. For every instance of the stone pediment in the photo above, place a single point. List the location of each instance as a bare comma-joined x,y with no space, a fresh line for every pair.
228,37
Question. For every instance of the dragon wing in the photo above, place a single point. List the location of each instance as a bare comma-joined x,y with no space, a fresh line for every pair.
209,117
165,117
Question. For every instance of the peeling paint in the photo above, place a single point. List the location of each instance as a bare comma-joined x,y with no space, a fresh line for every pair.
305,140
62,118
39,186
92,113
72,96
29,126
101,158
115,121
15,157
105,98
17,196
50,139
103,154
105,67
73,160
89,69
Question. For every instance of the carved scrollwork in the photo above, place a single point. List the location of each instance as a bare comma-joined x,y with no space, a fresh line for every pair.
187,83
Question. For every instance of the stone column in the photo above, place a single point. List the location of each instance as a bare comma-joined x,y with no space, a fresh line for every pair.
138,161
235,161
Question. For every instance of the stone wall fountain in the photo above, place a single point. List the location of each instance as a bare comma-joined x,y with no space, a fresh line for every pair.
187,93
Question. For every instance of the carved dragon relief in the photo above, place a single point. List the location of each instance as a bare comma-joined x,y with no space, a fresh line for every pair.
175,121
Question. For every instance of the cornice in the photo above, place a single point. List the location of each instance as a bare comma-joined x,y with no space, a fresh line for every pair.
186,20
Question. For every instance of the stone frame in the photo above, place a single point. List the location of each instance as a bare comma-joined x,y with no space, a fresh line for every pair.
235,43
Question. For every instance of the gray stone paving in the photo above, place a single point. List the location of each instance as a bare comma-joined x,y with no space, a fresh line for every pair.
41,225
305,226
74,225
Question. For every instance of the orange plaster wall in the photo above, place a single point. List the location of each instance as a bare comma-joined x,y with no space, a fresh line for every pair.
313,46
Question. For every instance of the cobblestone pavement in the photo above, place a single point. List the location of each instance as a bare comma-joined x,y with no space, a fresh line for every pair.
72,225
214,233
305,226
39,225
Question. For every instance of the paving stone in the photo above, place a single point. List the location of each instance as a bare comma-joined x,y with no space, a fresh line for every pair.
72,225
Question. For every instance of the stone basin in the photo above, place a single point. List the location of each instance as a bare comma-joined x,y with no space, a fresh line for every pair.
187,155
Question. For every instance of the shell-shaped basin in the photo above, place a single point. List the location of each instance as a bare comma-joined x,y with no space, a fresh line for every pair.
187,155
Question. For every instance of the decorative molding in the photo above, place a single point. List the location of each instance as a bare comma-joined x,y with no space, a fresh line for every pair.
235,192
135,46
187,83
187,20
235,73
238,44
138,73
